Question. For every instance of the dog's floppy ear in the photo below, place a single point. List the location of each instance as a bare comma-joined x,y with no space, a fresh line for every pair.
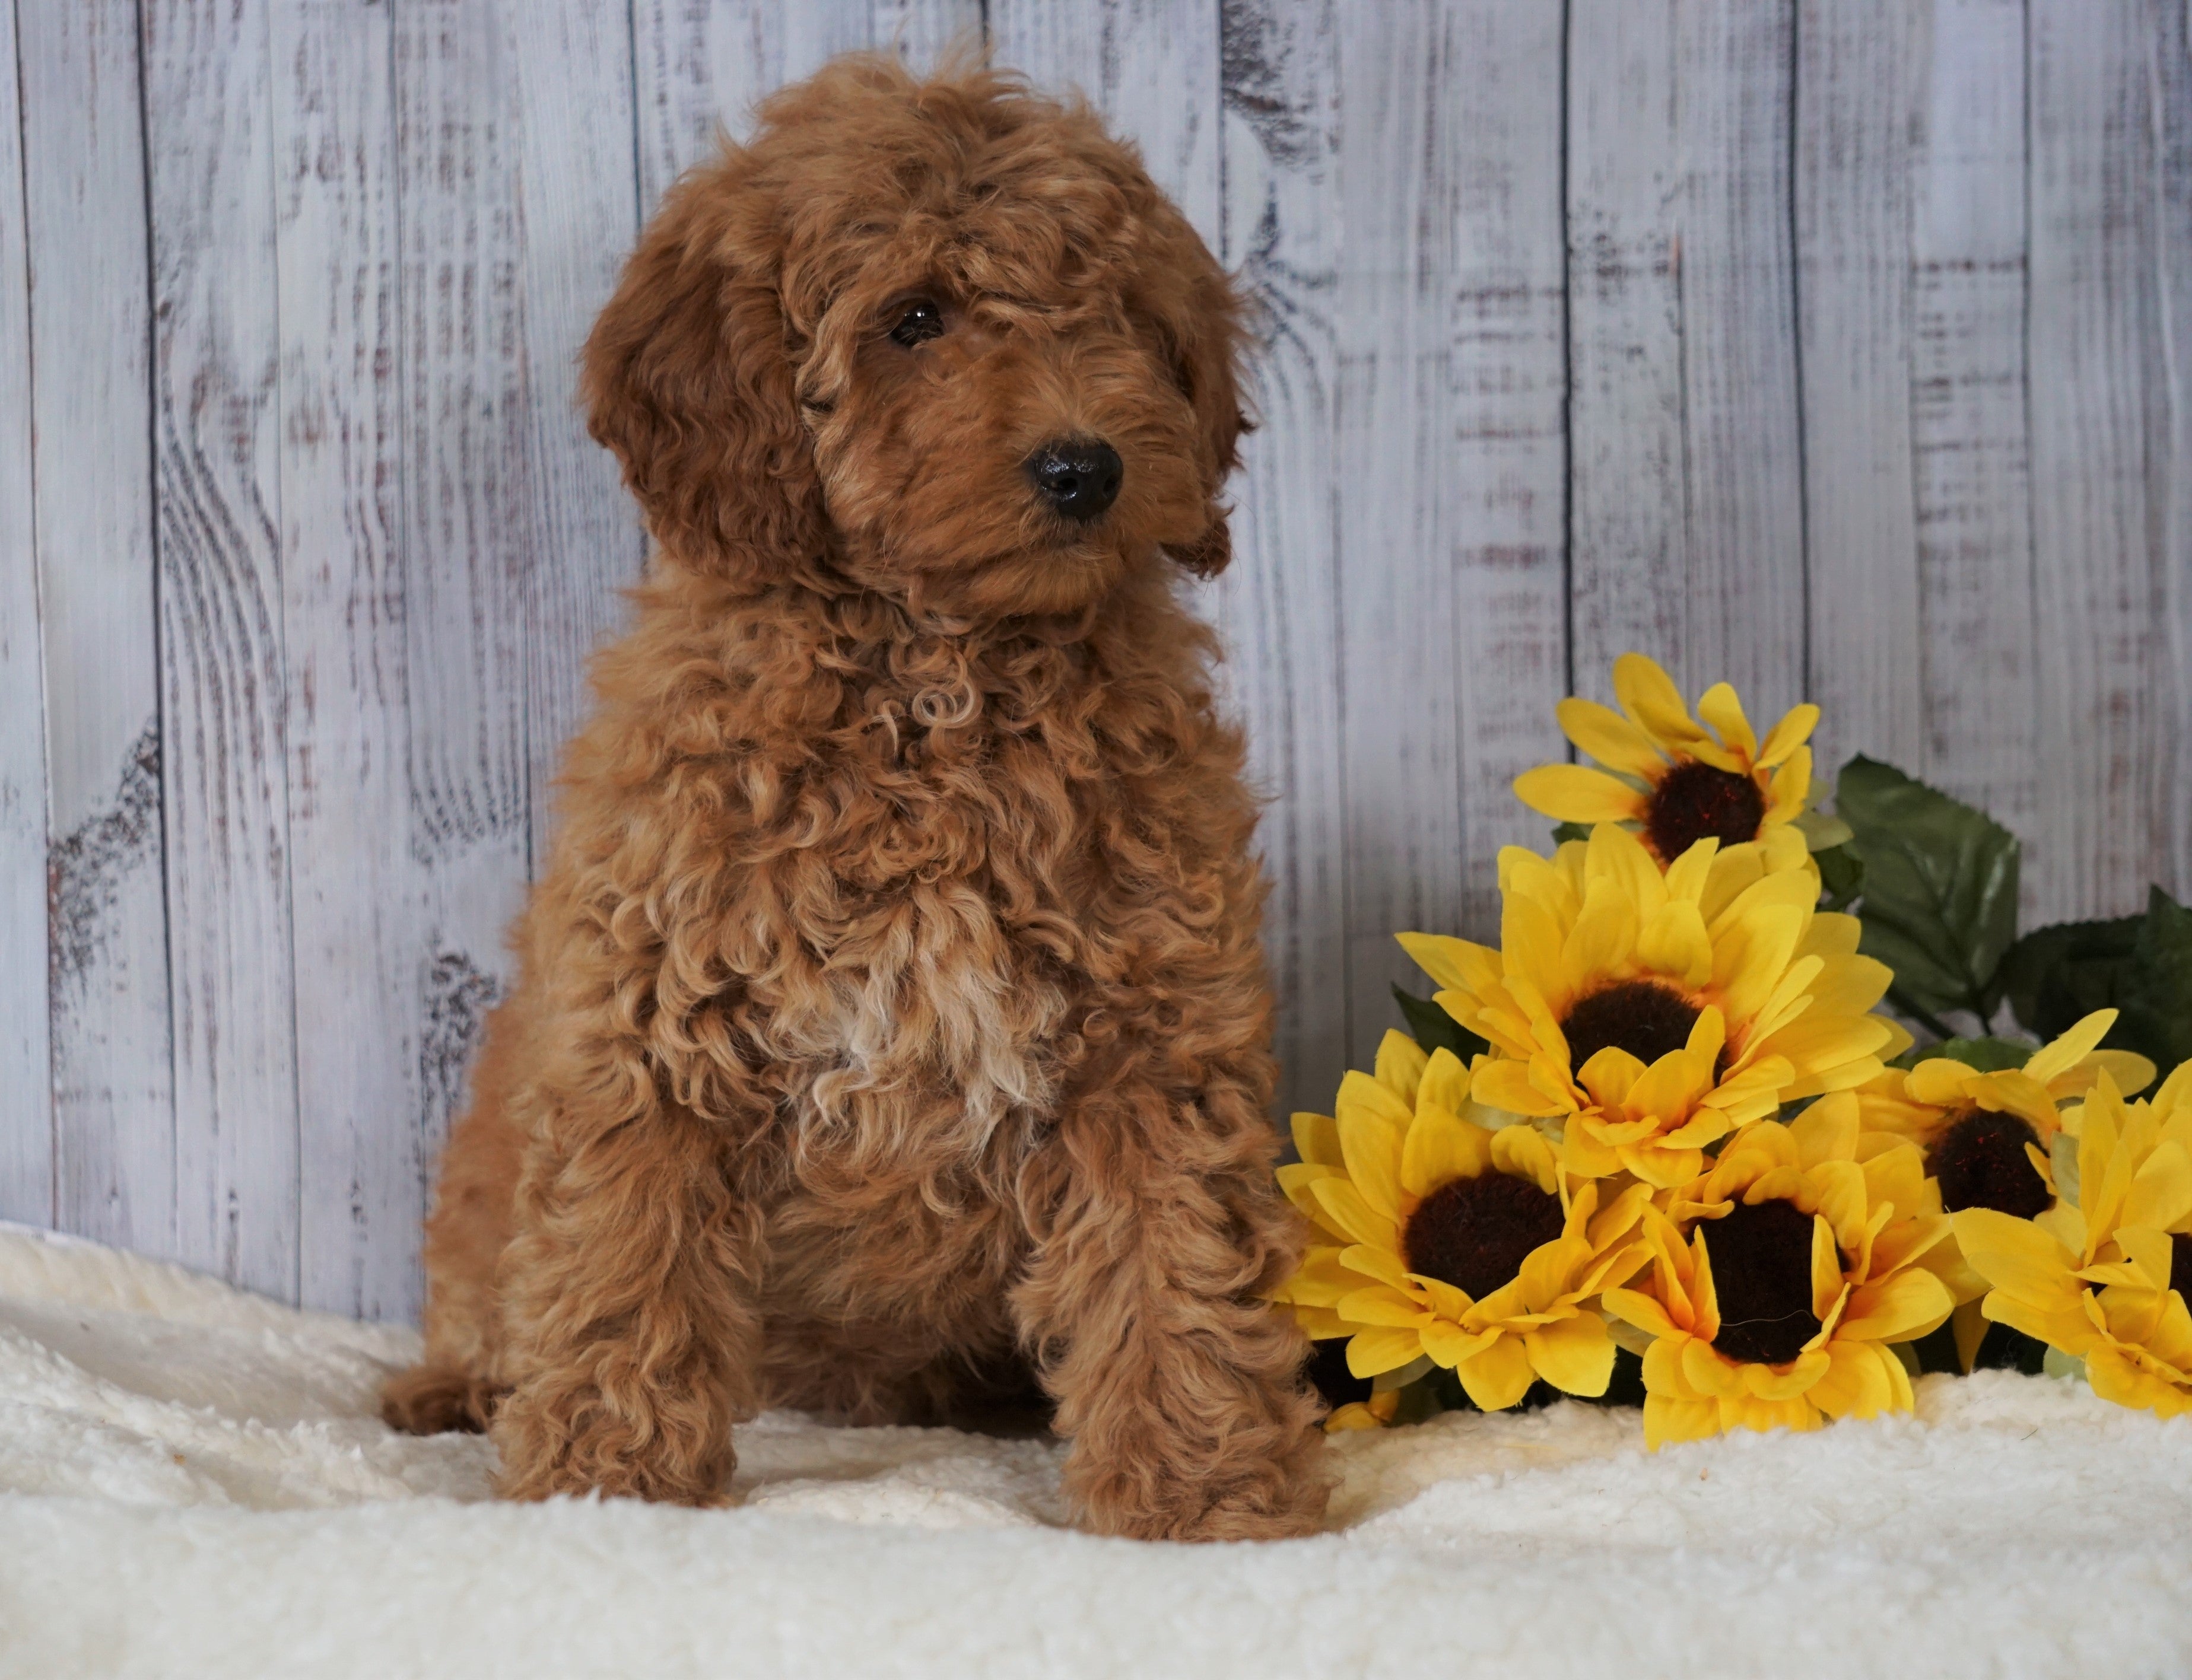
687,378
1202,330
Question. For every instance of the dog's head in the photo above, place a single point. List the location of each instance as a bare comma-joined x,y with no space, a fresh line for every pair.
946,337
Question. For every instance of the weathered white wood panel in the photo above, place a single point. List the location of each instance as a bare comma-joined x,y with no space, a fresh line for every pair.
2171,47
1971,450
358,903
1277,608
701,66
1403,90
578,212
1687,493
464,527
1150,66
1627,491
1730,309
26,1128
85,214
1742,430
216,444
1857,80
2099,431
1503,472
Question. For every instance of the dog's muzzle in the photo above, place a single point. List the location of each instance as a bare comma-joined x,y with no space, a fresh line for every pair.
1079,477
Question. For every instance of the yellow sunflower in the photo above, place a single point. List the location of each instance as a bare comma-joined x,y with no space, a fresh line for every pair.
1470,1248
1988,1138
1666,776
2104,1276
1801,1270
1648,1015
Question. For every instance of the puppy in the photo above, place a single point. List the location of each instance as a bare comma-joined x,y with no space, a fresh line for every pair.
891,1027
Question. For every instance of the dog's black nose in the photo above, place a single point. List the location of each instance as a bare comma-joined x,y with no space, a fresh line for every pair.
1078,477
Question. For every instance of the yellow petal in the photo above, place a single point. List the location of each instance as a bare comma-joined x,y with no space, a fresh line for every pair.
1371,1122
1718,707
1750,959
1442,1148
1448,1344
1399,1065
1610,1074
1649,695
1674,942
1795,728
1499,1376
1575,792
1499,1083
1374,1352
2058,1058
1604,937
1789,789
1521,1153
1857,1383
1826,1269
1345,1211
1456,965
1317,1139
1575,1355
1604,734
1445,1083
1322,1281
1355,1415
1635,1307
2160,1194
1616,858
1668,1421
2131,1072
1907,1306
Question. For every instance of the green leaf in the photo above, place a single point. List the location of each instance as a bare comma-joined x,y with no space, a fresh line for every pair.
2056,976
2157,996
1433,1028
2056,1362
1842,872
1940,886
1565,832
1417,1368
1987,1056
1821,832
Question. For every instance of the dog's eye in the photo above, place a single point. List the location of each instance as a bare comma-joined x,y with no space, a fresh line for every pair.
917,322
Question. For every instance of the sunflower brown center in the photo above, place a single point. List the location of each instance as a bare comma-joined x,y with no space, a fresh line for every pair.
2180,1265
1762,1274
1696,801
1981,1163
1644,1019
1476,1232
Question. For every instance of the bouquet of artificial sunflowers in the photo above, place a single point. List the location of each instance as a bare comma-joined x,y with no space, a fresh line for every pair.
1667,1114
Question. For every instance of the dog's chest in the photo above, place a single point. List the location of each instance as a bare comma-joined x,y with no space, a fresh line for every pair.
931,995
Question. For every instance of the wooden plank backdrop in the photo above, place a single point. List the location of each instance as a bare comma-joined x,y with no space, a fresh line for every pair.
1842,348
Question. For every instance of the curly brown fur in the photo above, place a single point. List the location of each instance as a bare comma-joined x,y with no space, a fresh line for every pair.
891,1012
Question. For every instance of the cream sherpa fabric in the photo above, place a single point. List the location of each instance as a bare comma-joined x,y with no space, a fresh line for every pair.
197,1485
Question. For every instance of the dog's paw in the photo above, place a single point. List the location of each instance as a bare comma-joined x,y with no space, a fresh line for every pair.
564,1440
438,1400
1283,1499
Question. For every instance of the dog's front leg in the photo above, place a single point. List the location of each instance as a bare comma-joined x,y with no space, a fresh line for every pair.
1180,1388
630,1308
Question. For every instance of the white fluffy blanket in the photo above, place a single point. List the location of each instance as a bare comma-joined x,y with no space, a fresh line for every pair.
195,1483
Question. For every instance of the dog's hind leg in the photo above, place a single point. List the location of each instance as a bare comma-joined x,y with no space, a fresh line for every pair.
457,1384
